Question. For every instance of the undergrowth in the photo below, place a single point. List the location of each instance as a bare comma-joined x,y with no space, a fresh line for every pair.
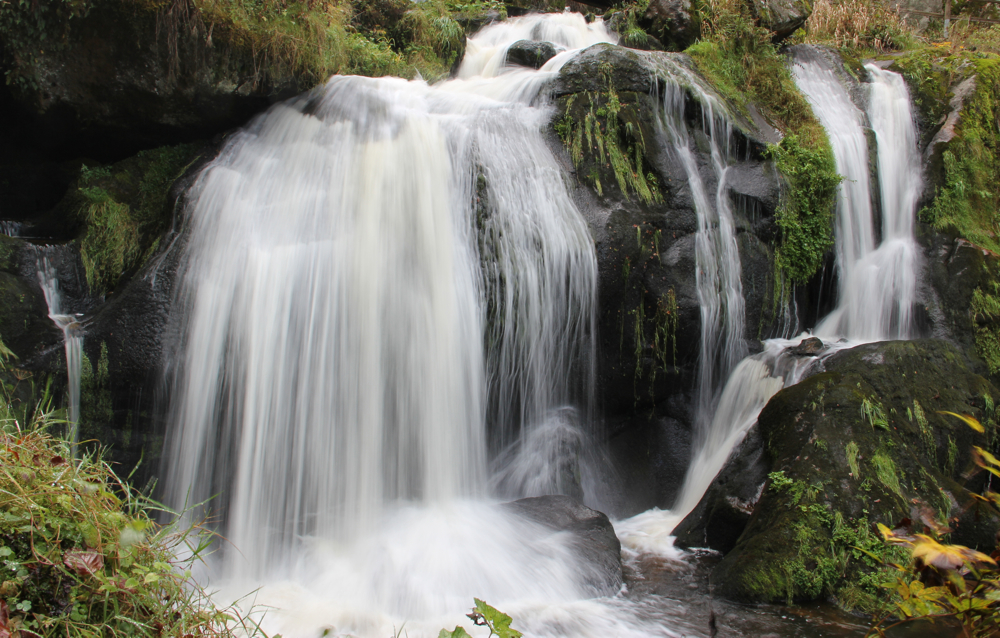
79,554
860,26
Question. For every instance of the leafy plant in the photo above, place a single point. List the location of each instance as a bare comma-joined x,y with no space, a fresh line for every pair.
484,615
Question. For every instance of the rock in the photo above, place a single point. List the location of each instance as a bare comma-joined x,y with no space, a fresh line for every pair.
809,347
671,23
781,17
530,54
125,78
723,512
860,443
594,536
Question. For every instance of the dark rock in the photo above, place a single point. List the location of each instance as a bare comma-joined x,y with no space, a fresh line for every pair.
629,33
809,347
125,79
816,506
782,17
723,512
672,22
594,536
530,54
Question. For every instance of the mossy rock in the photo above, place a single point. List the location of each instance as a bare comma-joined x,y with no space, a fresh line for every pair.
860,443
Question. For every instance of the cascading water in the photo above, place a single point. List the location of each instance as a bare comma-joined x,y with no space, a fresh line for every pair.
348,255
72,340
878,284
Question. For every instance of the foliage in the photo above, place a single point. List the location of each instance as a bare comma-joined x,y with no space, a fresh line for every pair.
484,615
985,310
125,210
967,199
739,59
943,581
861,26
79,553
806,213
28,27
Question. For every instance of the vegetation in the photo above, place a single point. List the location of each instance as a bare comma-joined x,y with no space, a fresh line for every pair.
859,26
485,616
741,62
940,581
125,209
308,41
79,553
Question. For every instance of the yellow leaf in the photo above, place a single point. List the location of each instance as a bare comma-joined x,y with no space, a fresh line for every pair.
968,419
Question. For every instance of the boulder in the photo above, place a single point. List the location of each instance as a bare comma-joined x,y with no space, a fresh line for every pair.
860,442
724,511
781,17
594,536
530,54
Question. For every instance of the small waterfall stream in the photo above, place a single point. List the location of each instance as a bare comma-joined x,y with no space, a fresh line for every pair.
72,340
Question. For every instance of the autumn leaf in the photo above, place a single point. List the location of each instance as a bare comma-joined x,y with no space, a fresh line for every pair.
968,419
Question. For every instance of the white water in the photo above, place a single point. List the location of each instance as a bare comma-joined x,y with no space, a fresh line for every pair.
10,228
343,269
877,284
720,289
72,340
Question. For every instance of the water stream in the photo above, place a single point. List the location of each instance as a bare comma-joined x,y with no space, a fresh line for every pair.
72,340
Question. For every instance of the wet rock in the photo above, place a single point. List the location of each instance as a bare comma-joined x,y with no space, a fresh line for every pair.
594,536
530,54
725,509
809,347
860,443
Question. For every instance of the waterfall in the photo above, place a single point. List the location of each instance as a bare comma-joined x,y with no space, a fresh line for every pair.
878,284
72,340
720,289
378,274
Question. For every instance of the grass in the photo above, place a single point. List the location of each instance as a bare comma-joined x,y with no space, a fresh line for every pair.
862,27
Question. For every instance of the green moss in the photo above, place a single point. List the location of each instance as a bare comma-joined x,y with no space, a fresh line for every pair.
886,473
967,199
599,128
851,450
125,208
806,212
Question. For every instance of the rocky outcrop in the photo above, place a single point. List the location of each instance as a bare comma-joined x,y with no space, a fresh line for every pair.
126,78
593,535
673,22
530,54
860,442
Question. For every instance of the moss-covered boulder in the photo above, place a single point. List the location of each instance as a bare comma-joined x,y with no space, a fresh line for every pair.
782,17
862,442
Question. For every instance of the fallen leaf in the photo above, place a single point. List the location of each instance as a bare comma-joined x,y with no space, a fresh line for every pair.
84,563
